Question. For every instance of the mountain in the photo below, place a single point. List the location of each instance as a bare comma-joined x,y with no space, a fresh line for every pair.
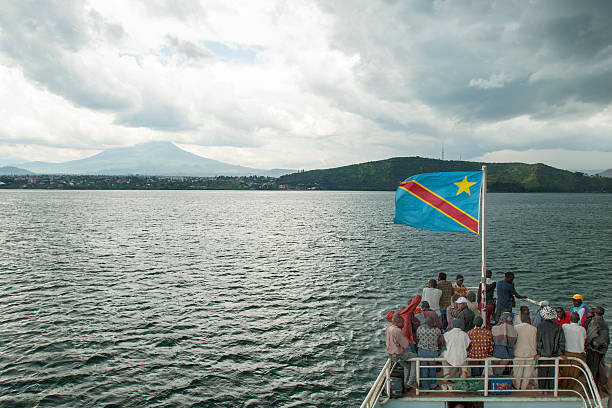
14,171
501,177
607,173
154,159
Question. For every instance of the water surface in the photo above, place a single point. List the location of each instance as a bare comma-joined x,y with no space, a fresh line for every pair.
262,299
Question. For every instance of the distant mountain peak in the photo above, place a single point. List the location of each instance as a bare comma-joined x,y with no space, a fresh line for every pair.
156,158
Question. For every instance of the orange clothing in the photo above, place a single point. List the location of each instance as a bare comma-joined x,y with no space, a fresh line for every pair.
406,313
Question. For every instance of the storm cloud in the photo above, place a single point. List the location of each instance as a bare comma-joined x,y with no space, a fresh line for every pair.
315,84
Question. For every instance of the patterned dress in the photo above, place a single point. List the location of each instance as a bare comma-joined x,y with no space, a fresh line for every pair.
481,343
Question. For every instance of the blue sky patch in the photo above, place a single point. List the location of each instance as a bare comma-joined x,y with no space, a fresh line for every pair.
235,52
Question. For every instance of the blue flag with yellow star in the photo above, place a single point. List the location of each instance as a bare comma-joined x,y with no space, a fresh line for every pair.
448,201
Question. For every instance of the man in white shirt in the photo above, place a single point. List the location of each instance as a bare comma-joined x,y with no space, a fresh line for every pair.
457,342
431,294
575,335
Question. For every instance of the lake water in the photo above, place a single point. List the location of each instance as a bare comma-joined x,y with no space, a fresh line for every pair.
254,299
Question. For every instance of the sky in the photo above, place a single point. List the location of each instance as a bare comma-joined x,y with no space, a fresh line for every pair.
309,84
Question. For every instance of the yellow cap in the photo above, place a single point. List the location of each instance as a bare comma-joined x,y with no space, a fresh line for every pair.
577,296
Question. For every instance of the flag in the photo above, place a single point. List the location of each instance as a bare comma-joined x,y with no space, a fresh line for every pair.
448,201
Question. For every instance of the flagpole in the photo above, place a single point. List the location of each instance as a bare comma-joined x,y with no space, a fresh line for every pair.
481,218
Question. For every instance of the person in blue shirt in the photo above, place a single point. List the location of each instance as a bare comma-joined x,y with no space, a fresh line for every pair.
505,292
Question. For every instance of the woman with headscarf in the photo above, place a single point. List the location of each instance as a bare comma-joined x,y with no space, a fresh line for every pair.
504,338
551,343
537,319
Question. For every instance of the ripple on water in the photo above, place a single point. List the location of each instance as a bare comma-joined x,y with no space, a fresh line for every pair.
153,298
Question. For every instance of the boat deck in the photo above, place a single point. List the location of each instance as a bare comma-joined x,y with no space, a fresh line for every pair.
583,394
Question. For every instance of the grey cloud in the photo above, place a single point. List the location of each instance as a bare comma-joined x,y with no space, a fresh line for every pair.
111,31
183,11
156,115
40,37
188,48
432,51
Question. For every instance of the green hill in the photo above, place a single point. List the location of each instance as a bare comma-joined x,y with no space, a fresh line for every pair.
501,177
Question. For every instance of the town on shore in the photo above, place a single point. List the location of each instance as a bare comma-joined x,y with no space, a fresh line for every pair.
137,182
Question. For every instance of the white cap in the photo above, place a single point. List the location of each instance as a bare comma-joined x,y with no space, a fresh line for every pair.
462,299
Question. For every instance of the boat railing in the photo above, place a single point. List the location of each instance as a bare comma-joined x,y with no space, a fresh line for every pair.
584,386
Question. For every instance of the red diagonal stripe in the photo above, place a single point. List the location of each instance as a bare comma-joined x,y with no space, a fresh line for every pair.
441,205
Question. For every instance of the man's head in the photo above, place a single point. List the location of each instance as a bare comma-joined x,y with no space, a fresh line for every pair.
577,299
454,299
574,317
398,320
524,309
525,317
459,280
432,283
488,273
429,321
441,276
509,277
591,313
598,311
544,303
462,302
506,317
560,313
425,305
478,321
471,296
457,324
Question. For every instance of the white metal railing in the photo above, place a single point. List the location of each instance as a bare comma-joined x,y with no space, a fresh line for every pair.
587,388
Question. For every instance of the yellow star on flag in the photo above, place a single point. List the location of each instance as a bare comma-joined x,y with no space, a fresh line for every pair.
464,185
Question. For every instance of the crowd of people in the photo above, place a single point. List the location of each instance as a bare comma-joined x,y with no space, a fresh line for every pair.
445,321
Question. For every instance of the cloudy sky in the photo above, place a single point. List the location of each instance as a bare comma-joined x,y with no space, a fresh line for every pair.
309,84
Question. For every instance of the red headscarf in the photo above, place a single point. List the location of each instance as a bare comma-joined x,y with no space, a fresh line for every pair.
406,313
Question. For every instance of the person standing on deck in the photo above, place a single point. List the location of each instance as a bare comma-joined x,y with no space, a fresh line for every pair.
445,300
406,313
490,306
432,294
426,311
481,345
457,342
551,343
504,338
458,287
575,336
430,341
563,317
399,351
471,297
580,308
597,341
505,292
465,314
452,312
526,347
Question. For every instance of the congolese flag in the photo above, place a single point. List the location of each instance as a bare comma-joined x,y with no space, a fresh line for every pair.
448,201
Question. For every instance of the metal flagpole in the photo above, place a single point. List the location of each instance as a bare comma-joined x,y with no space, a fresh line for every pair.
482,230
